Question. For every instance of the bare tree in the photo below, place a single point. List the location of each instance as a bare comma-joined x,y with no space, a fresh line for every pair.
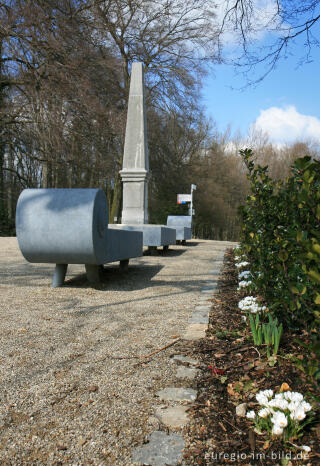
284,20
173,38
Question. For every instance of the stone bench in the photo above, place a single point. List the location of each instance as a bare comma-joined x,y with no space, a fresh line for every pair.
70,226
182,225
153,235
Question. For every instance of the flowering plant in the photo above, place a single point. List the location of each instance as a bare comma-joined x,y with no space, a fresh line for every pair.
244,275
283,414
244,284
240,265
249,303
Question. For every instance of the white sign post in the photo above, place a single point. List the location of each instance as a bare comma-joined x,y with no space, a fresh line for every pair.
193,188
186,198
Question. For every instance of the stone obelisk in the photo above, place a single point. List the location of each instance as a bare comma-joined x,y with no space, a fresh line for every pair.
135,168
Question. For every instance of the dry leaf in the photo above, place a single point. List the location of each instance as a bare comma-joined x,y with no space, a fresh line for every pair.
231,389
285,387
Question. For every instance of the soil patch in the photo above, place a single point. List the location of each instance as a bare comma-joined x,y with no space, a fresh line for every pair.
232,371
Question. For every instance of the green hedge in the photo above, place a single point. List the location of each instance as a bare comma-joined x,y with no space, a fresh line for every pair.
281,238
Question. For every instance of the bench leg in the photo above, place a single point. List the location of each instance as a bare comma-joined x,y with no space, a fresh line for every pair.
59,275
153,251
93,273
124,264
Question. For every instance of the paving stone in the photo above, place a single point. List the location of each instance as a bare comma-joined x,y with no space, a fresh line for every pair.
194,335
177,394
186,372
173,417
161,450
197,328
203,308
200,312
207,291
195,331
184,360
203,300
198,319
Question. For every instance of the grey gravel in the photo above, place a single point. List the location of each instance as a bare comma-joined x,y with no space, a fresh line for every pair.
73,390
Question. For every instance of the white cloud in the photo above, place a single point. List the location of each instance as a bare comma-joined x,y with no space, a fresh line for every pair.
287,125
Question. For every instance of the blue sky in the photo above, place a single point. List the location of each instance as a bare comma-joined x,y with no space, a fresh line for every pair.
289,97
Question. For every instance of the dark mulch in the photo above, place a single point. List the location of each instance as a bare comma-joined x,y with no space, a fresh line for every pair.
216,435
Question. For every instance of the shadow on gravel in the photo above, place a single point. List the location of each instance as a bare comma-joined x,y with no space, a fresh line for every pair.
172,252
162,253
18,274
113,278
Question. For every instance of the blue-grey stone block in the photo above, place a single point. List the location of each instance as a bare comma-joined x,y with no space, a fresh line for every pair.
182,225
63,226
161,450
70,226
153,235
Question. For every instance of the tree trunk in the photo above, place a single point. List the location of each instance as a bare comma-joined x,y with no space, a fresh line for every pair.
44,177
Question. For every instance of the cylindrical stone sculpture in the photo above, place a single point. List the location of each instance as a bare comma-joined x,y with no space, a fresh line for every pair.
63,226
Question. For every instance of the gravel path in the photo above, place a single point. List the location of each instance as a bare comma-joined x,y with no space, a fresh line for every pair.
67,396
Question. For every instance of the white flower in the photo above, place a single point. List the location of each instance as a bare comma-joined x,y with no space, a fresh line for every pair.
306,406
293,405
296,396
279,403
242,264
287,395
262,399
245,274
306,448
251,414
279,419
298,414
244,284
249,303
277,430
264,412
268,393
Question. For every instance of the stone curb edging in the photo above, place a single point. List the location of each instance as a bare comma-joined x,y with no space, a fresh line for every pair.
164,449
